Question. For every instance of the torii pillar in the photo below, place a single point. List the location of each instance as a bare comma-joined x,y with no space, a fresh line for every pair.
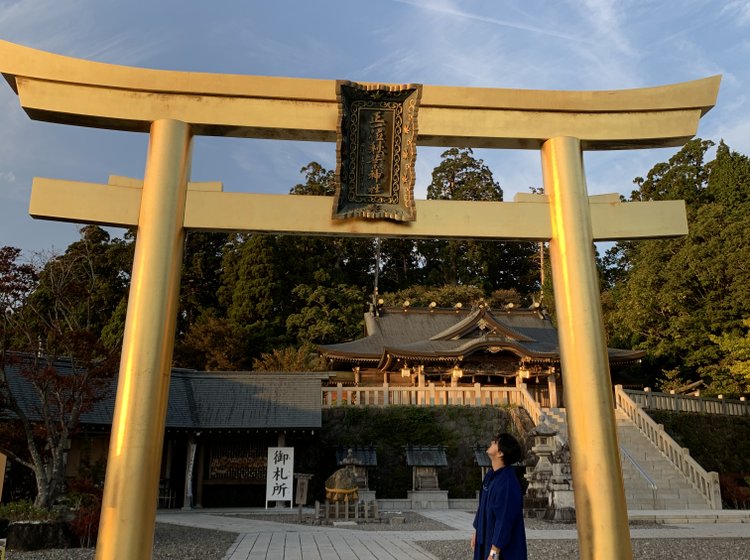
174,106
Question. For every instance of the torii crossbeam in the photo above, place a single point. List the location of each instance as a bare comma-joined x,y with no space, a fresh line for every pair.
175,106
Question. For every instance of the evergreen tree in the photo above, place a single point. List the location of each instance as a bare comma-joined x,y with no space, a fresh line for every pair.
672,298
255,295
330,313
400,265
198,323
490,265
275,290
346,260
731,376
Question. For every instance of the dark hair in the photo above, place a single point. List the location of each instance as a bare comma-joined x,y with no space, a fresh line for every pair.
510,447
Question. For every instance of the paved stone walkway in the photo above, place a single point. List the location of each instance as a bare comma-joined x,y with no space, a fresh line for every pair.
267,540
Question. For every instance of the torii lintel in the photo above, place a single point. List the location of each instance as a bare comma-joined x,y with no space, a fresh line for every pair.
66,90
208,208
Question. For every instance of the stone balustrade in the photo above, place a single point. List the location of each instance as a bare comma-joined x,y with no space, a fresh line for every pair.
707,483
689,403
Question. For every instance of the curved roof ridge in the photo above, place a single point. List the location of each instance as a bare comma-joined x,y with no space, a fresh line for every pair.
466,347
474,319
468,320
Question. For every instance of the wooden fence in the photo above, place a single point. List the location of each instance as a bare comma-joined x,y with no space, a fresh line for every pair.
431,395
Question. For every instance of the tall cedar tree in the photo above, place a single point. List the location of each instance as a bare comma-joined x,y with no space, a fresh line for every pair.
490,265
197,320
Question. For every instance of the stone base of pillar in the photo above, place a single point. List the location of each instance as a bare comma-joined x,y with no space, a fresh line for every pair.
428,499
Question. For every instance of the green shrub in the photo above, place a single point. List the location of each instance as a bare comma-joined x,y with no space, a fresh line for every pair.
26,511
718,443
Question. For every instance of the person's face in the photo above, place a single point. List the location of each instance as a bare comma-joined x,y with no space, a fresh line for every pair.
493,451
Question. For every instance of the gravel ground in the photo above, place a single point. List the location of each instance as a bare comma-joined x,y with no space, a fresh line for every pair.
643,549
173,542
170,542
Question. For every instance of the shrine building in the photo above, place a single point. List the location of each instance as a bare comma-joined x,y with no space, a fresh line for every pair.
454,346
219,427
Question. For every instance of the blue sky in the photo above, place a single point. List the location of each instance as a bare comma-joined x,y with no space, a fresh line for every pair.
534,44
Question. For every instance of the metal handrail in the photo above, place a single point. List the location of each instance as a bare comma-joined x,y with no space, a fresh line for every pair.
650,481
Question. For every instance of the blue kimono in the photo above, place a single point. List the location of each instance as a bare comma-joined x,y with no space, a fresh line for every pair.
499,518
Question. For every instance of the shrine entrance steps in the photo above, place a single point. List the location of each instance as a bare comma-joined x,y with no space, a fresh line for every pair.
651,481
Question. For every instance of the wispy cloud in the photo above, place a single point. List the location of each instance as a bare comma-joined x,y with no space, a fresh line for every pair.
574,45
735,131
122,49
606,18
537,44
45,24
72,28
273,167
7,177
447,9
738,10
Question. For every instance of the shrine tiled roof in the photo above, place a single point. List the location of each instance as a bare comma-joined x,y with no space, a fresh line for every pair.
480,456
209,400
426,456
391,328
435,334
365,456
245,400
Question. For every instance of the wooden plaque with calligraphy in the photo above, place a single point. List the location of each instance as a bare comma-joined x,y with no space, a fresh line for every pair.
376,151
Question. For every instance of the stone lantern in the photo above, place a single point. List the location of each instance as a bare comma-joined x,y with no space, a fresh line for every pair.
539,474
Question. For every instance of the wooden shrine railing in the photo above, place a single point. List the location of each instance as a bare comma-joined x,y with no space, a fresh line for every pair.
431,395
707,483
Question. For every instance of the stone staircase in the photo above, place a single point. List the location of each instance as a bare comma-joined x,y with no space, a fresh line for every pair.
646,467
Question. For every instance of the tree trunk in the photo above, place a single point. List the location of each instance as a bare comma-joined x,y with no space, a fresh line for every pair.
50,478
42,499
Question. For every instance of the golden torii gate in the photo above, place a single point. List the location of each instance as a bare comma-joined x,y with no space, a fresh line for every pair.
175,106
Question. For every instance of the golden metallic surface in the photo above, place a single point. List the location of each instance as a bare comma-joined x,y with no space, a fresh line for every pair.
126,529
68,90
120,181
3,464
210,209
601,510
